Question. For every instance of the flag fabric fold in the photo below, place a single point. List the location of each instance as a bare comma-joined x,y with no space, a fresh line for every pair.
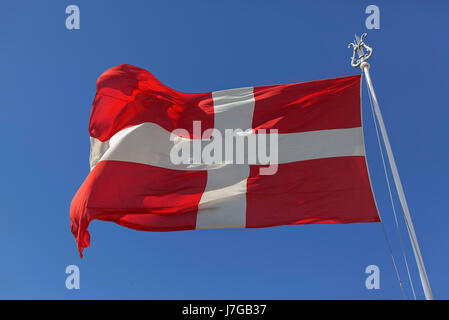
136,122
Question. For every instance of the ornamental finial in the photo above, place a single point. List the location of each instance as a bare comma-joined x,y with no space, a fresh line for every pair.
358,45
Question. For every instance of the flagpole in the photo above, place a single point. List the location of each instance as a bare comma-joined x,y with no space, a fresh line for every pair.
359,47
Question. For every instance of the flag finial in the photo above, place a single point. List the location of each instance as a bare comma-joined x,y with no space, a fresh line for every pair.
358,45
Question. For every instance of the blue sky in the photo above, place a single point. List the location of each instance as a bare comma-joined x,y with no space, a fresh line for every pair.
48,84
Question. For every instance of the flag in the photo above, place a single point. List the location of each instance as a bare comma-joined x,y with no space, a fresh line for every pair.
163,160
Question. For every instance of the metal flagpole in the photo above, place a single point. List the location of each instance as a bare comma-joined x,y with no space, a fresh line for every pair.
358,46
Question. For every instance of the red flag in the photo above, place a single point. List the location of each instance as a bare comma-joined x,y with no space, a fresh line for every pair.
138,127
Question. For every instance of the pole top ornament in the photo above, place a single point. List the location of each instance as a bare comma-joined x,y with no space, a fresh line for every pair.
358,45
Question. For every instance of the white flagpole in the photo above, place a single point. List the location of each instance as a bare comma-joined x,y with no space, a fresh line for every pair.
358,47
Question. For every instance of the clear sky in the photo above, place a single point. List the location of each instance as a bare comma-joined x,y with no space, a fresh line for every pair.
47,87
